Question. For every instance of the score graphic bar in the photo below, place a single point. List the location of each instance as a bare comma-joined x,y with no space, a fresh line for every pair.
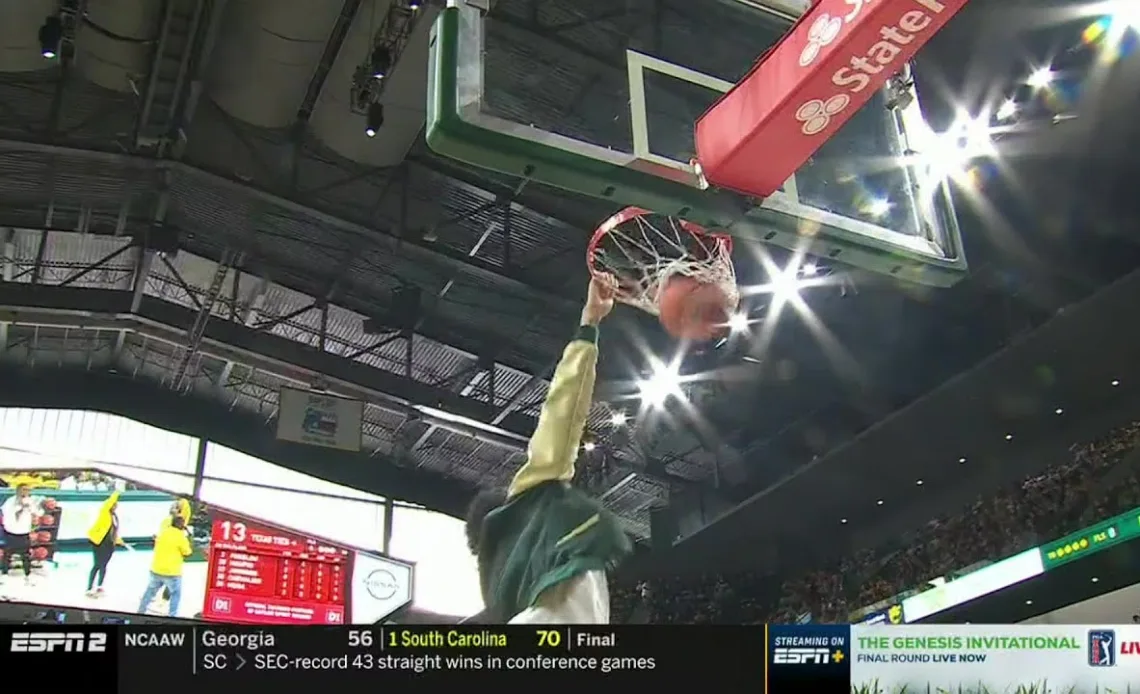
225,658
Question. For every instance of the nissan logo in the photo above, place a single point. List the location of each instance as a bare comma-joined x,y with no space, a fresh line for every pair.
381,584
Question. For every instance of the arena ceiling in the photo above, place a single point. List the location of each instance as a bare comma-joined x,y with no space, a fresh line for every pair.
189,205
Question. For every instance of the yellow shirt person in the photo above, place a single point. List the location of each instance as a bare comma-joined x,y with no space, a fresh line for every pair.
104,537
171,547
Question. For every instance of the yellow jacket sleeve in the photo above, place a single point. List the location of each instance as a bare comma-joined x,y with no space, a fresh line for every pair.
554,446
102,524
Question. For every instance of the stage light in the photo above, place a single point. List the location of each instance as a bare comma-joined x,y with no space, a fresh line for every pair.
738,323
785,284
1127,13
809,270
381,62
961,461
375,119
1041,78
1006,111
658,388
879,502
414,5
919,483
879,207
589,446
1115,383
1058,411
50,35
618,419
843,521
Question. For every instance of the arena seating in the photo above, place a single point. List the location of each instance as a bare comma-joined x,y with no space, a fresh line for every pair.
1058,501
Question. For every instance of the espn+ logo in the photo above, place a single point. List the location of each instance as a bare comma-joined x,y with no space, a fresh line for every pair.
860,72
805,656
57,641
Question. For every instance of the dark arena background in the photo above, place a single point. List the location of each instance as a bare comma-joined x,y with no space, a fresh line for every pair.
299,272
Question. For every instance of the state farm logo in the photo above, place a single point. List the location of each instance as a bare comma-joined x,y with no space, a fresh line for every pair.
815,115
825,30
381,584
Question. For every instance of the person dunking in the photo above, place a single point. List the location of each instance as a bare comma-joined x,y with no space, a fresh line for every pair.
544,547
104,538
19,512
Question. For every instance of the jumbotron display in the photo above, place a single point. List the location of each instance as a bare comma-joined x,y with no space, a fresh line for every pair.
101,542
265,575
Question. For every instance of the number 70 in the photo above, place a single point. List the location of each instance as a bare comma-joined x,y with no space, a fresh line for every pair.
551,638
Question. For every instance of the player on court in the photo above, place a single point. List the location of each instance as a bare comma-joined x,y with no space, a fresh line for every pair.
543,548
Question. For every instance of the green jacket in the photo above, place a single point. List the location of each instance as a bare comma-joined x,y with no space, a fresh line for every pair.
548,531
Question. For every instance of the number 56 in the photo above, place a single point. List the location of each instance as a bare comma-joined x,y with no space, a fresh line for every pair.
359,638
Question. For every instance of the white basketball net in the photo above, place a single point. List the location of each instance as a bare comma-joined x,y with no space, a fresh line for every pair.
643,252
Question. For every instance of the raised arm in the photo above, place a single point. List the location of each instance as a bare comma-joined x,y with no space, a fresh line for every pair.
554,446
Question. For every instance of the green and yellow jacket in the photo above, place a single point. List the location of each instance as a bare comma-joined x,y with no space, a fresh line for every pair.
549,532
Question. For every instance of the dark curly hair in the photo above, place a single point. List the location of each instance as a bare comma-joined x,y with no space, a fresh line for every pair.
485,501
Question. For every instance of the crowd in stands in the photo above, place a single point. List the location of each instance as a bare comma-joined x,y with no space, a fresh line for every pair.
1088,488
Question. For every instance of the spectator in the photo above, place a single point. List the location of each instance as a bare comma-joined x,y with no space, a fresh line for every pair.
1088,488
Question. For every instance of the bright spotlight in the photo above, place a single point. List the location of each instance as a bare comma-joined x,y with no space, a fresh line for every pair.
589,446
738,323
658,388
809,270
949,154
1006,111
785,284
618,419
1041,78
1127,13
50,36
879,207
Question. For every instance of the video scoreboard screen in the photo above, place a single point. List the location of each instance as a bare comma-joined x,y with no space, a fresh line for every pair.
262,574
265,575
779,659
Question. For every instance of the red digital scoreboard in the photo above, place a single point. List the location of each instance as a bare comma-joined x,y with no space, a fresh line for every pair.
259,574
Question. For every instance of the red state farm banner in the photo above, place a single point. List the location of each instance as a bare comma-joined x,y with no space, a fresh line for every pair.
259,574
826,68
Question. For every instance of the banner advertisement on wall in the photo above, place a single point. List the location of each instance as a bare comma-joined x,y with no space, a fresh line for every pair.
319,419
106,544
1101,536
989,579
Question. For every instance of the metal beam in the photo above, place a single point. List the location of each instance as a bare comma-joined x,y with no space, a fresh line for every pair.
201,320
410,248
169,322
337,36
336,39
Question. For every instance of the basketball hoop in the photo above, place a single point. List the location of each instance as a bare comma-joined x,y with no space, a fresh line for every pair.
643,250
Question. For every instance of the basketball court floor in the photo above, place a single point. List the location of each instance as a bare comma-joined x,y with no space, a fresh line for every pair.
64,583
820,147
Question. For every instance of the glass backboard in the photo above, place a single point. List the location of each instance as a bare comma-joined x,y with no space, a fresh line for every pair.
600,98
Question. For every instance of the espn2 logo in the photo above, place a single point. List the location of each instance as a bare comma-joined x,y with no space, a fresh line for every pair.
54,641
803,656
